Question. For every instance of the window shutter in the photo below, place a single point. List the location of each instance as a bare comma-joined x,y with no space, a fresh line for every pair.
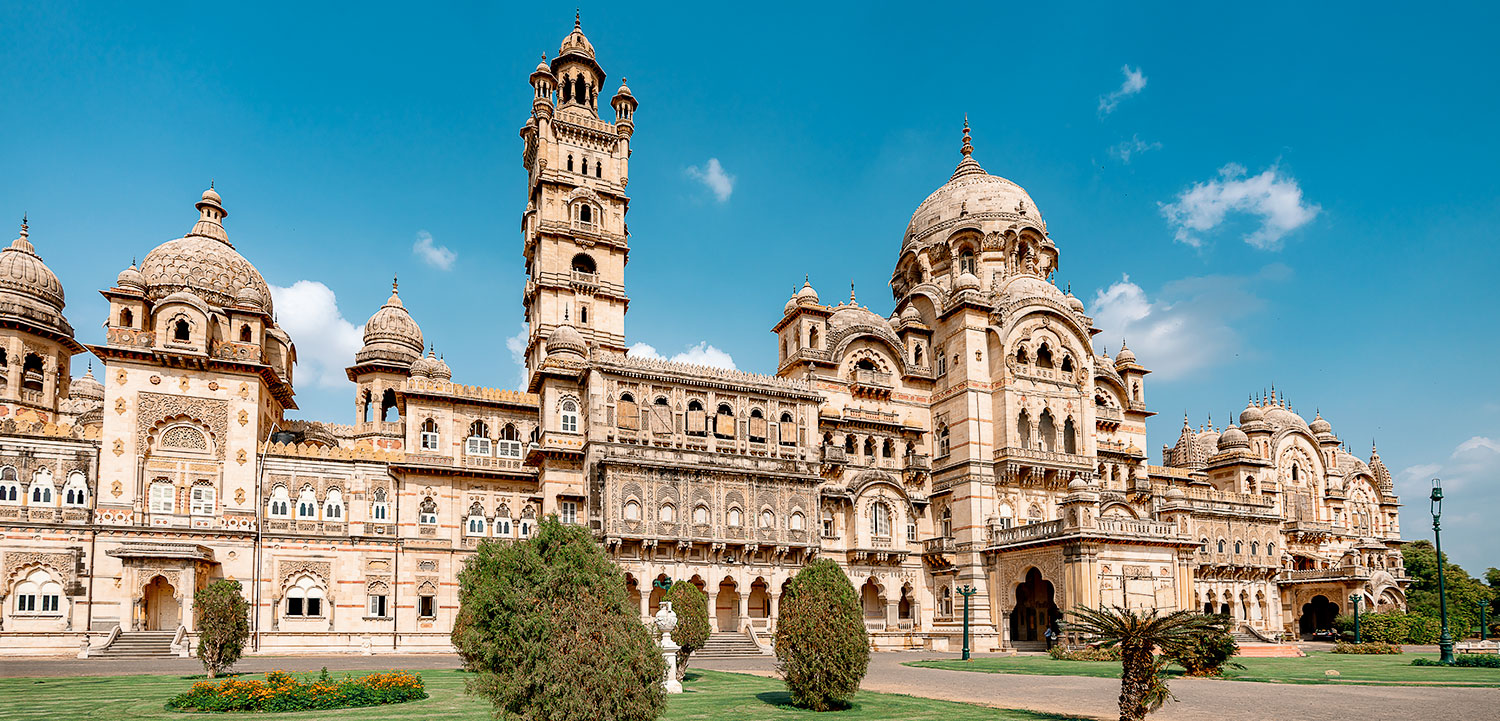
628,415
725,426
757,428
661,419
697,422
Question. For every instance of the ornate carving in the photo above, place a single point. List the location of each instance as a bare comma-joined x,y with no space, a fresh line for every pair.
152,408
286,570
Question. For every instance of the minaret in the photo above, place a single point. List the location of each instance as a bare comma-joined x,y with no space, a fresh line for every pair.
573,230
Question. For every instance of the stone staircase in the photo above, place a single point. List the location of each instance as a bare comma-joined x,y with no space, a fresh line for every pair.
728,645
139,644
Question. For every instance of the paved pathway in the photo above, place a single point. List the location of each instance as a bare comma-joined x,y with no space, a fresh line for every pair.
1197,699
1097,697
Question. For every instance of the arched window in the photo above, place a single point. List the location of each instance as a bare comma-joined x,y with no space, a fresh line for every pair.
599,170
1067,364
478,443
41,487
585,212
945,526
568,416
31,372
427,512
1044,357
888,449
724,424
767,519
870,447
281,503
388,410
1023,428
304,599
307,505
945,602
632,510
1255,548
245,334
76,491
667,513
475,524
942,438
736,519
38,593
1021,356
1221,545
181,331
127,318
1239,547
757,426
850,444
882,519
1271,549
429,437
813,341
585,167
917,357
700,514
163,497
1048,430
1070,436
379,509
333,506
201,499
1295,468
570,157
966,261
787,430
797,521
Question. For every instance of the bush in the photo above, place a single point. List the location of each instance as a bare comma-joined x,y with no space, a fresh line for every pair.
1368,647
691,607
1088,653
1463,660
283,692
223,620
1392,627
822,648
548,629
1206,653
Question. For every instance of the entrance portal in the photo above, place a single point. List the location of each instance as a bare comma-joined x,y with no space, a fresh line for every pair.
727,611
160,605
1317,614
1034,610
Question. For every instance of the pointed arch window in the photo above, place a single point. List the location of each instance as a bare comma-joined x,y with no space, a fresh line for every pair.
478,443
76,491
1023,428
41,487
1070,436
966,261
882,519
38,593
304,599
333,506
568,416
379,508
429,436
475,524
181,331
509,445
787,429
281,503
942,440
1044,357
797,522
427,512
307,505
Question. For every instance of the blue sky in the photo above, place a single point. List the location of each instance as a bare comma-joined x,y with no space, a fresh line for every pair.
1301,194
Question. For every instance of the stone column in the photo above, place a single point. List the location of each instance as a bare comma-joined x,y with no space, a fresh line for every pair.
775,608
646,602
744,616
713,609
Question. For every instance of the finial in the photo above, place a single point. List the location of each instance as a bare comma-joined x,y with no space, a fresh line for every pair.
851,292
24,228
968,148
806,279
210,183
393,284
544,56
577,18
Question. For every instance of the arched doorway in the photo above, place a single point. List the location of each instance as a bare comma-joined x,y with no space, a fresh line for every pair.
760,599
160,601
653,602
872,601
1035,609
904,606
727,609
1317,614
633,589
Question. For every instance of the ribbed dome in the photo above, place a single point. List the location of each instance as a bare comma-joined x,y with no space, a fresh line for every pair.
566,339
131,279
249,297
1320,425
423,367
87,387
1125,355
1233,438
1251,414
575,42
29,288
1073,302
791,305
909,314
441,371
970,192
807,294
966,281
391,334
202,262
1029,286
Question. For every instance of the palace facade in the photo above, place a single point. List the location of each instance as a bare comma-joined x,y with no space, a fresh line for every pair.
973,440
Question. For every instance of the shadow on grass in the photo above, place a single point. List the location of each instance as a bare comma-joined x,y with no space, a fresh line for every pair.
783,699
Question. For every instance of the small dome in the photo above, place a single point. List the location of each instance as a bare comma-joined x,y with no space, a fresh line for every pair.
87,387
1078,485
966,281
566,339
423,367
203,262
1125,355
211,195
624,90
1233,438
391,334
910,315
1283,418
1251,414
1030,286
23,273
807,296
791,305
131,279
1320,425
1074,302
249,297
441,371
541,67
1175,493
575,42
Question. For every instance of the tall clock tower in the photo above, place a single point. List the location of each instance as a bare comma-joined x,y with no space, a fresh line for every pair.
573,229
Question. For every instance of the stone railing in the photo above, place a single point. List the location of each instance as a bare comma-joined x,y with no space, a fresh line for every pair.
834,454
1037,456
1135,527
1029,532
917,462
1330,574
585,279
941,544
1108,415
874,379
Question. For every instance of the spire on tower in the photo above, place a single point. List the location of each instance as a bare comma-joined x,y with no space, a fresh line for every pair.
968,148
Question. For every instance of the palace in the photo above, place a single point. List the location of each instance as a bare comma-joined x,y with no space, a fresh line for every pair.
971,449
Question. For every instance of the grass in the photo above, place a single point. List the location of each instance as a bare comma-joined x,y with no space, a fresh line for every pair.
710,695
1353,669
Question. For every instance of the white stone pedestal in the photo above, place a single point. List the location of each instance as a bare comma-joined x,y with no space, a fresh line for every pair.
666,620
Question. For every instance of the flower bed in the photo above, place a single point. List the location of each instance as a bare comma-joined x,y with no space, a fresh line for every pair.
1087,653
282,691
1368,647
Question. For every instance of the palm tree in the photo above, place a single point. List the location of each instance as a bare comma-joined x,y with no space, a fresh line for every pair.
1143,686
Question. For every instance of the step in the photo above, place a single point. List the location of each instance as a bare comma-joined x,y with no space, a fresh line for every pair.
1270,650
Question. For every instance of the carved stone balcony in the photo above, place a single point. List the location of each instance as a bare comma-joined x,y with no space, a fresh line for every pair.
834,455
870,383
939,545
583,280
1106,417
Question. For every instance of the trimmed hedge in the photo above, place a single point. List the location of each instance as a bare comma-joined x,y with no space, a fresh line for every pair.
1377,648
282,691
1089,653
1392,627
1464,660
822,648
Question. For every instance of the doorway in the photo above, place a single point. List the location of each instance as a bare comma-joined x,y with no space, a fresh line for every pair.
1035,609
161,605
1317,614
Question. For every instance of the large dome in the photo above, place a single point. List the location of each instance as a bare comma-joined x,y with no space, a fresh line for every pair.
391,334
28,287
970,193
202,262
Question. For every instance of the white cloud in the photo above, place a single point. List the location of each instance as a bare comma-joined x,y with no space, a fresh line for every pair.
714,178
1132,147
1134,83
1273,198
326,342
516,344
1470,500
701,354
1187,327
437,256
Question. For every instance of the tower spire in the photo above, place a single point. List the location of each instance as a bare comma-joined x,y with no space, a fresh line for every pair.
968,148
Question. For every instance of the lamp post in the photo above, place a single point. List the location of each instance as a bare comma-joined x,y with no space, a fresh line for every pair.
1445,641
1483,629
1354,601
966,592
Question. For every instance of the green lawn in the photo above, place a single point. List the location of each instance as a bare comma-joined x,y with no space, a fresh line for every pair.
710,695
1381,670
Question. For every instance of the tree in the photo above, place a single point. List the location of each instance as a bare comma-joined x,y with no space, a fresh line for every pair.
1465,593
1207,653
691,607
222,618
550,633
1142,679
822,648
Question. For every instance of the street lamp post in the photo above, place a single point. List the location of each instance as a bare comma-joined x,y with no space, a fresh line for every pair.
1354,601
966,592
1445,641
1483,629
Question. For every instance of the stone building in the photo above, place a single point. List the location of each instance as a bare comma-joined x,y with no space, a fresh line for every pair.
974,439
